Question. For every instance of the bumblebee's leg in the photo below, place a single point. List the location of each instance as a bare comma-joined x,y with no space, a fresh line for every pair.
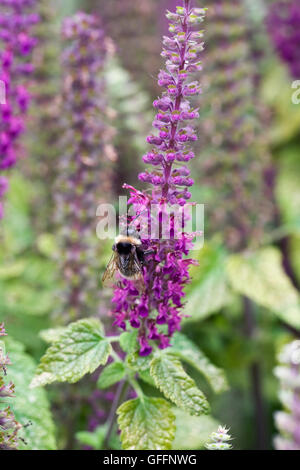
149,252
142,254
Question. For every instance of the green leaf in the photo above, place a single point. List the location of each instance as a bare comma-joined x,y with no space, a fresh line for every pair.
29,405
51,335
145,376
192,432
39,271
147,424
80,350
170,377
17,226
92,439
17,297
26,330
89,439
111,375
128,341
208,291
11,270
260,276
46,244
277,93
137,362
189,352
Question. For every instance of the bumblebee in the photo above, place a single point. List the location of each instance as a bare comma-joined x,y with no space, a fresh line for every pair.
128,258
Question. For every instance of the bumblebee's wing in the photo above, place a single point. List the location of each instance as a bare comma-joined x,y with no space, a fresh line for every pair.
136,267
138,273
110,270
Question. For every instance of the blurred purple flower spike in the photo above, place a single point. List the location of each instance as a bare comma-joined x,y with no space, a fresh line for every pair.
283,23
84,169
16,22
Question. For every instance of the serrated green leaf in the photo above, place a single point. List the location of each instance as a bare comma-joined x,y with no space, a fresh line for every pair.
192,432
147,424
137,362
29,406
128,341
209,290
112,374
51,335
189,352
260,276
145,376
80,350
171,379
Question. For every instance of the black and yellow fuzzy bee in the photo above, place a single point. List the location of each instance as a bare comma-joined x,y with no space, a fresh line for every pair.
128,257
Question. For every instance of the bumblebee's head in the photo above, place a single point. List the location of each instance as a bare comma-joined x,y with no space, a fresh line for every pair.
124,247
131,238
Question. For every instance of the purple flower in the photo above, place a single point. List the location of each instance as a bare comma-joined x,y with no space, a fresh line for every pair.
16,22
155,310
283,24
84,169
233,128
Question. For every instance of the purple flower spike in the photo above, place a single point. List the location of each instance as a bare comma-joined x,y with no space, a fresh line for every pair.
283,23
85,167
156,309
16,22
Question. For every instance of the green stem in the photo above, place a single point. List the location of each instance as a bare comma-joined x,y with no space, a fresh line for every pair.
256,378
113,339
115,356
120,394
137,388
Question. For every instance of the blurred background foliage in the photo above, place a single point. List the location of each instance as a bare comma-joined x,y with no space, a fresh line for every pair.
242,306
